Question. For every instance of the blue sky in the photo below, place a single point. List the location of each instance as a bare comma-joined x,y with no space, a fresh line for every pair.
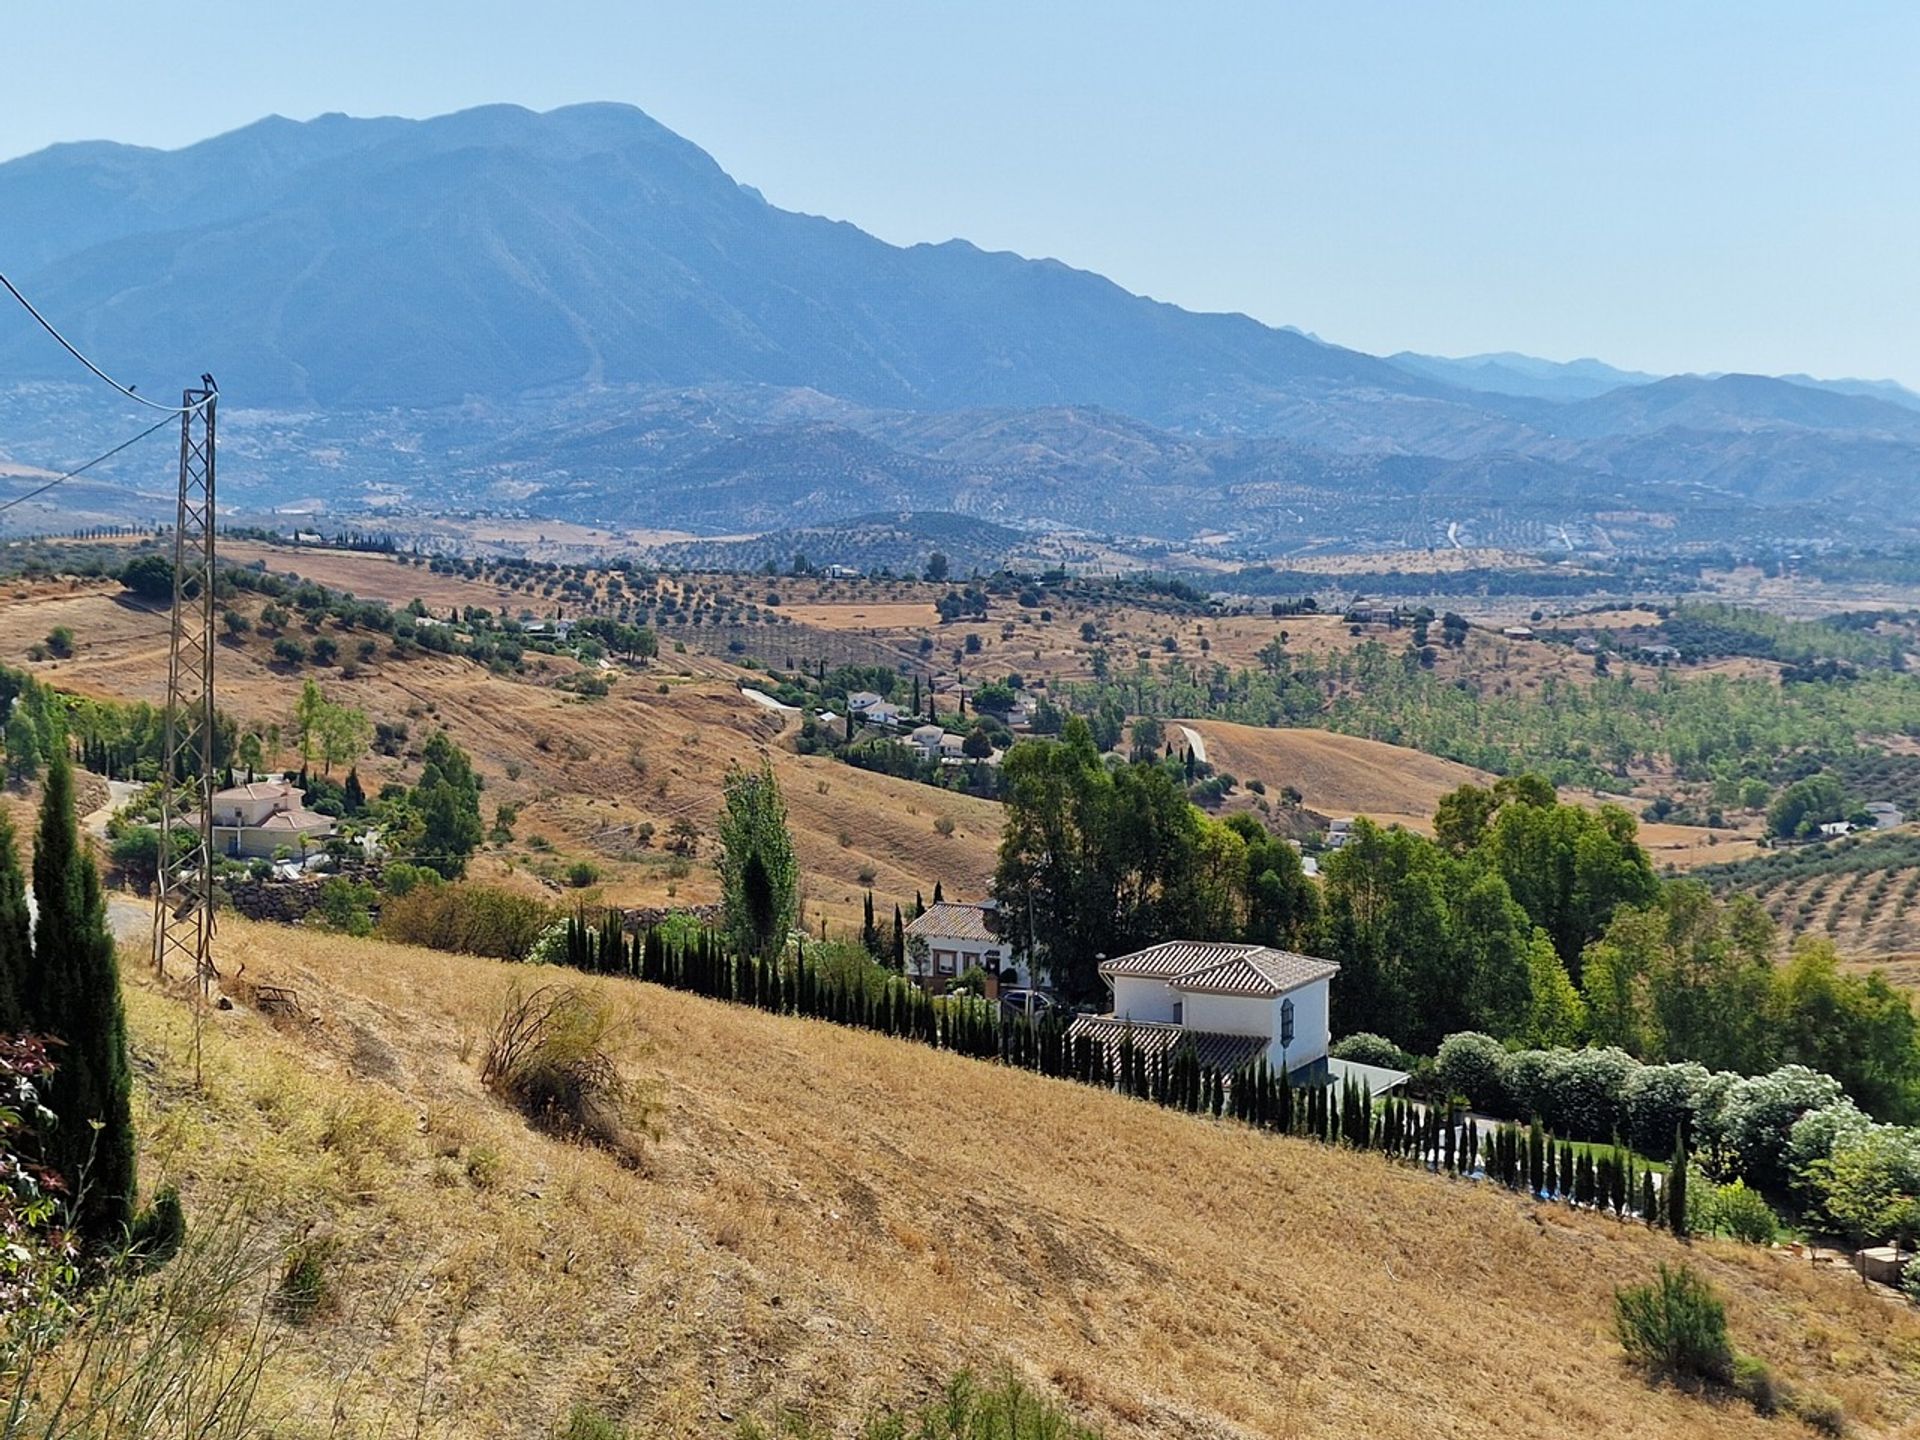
1669,187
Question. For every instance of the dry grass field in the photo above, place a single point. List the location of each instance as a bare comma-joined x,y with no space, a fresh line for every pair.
829,1219
586,774
1338,774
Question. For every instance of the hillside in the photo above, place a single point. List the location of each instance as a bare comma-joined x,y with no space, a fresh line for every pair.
1339,774
830,1219
587,775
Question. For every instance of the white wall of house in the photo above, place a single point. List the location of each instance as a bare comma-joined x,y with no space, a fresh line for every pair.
1230,1014
947,958
1142,998
1311,1022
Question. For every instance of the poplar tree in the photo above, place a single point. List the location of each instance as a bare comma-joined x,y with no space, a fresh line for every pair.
75,997
758,872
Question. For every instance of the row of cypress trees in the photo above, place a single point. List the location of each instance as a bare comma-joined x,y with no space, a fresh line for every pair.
1438,1139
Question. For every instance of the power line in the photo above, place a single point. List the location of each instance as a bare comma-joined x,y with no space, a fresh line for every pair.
81,470
73,350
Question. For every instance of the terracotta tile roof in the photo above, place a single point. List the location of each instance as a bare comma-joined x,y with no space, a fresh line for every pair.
289,820
258,790
1261,972
1222,969
951,920
1211,1048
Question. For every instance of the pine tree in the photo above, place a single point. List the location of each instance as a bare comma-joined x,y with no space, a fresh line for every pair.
16,937
76,998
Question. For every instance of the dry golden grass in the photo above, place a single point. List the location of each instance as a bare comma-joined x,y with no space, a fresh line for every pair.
1338,774
586,774
832,1218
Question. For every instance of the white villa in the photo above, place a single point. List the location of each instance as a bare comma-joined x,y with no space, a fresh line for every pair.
1231,1004
253,821
956,937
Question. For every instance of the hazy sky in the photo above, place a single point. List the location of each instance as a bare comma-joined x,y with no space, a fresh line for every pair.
1669,187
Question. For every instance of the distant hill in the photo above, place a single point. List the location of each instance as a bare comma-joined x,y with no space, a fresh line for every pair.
581,314
1507,372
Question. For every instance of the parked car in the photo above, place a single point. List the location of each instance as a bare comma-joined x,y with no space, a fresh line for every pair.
1027,1002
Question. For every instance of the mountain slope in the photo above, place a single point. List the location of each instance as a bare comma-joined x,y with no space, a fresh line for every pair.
831,1219
497,251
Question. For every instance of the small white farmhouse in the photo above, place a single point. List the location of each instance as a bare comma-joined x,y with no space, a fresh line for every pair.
1231,1003
956,937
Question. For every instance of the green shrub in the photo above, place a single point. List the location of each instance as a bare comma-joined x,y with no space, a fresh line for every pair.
1007,1409
1472,1064
1676,1327
1366,1048
1820,1413
466,919
305,1288
584,1422
1744,1214
582,873
1754,1382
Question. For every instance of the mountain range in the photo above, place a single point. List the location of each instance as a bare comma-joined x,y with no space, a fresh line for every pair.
580,313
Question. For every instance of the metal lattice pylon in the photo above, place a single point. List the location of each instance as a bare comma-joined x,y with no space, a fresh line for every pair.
183,898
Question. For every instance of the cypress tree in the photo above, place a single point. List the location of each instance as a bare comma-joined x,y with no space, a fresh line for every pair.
1537,1157
16,937
76,998
899,942
1566,1170
1677,1185
1649,1202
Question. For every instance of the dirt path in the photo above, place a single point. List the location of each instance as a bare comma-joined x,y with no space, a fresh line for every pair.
1196,742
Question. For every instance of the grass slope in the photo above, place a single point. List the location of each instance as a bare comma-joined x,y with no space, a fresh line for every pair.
832,1218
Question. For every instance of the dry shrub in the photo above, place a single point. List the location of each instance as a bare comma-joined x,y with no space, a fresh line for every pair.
548,1055
466,919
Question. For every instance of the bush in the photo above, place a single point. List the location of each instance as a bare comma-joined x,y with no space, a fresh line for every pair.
402,877
305,1290
466,919
584,1422
548,1056
582,873
1821,1413
1366,1048
1744,1214
1472,1064
1676,1327
1655,1101
1754,1382
1752,1130
1581,1092
1910,1279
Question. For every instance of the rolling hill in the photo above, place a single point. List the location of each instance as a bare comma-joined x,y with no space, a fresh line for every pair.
830,1220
